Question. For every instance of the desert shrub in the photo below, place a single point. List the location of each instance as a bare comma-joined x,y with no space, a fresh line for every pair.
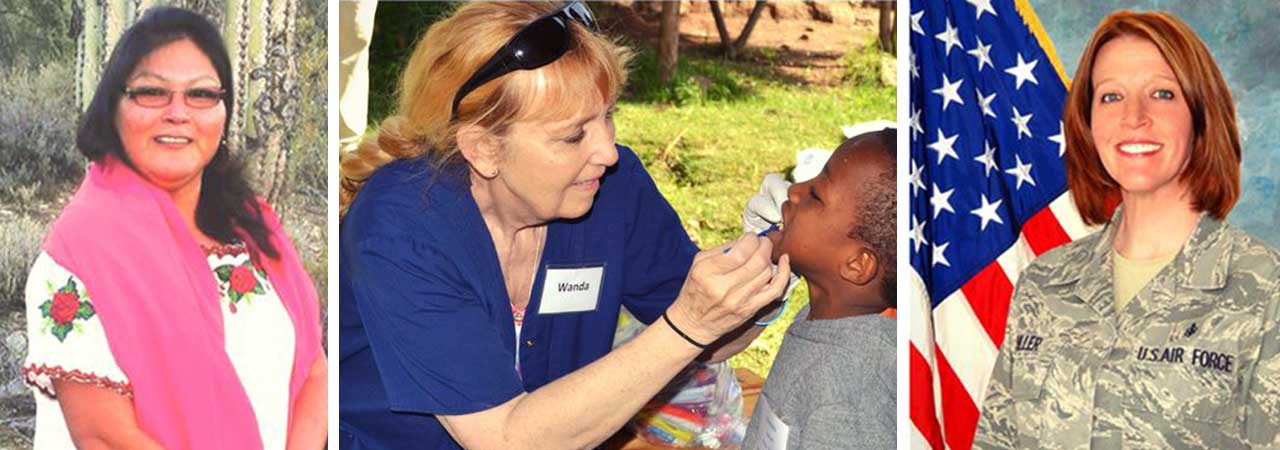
20,238
37,133
34,31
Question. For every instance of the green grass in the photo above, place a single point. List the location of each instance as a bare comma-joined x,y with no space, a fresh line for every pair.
708,153
862,66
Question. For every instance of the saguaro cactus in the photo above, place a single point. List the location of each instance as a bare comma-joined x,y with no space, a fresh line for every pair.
259,35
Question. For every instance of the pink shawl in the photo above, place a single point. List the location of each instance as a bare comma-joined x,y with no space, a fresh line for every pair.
151,285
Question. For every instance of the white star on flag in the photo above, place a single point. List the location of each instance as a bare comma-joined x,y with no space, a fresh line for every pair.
940,254
985,102
987,212
1062,141
941,201
944,146
950,36
982,6
949,91
915,70
915,22
917,181
1022,172
987,158
1022,72
917,233
915,123
983,53
1021,121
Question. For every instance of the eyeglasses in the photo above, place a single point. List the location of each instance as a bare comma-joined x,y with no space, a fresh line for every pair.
540,43
155,97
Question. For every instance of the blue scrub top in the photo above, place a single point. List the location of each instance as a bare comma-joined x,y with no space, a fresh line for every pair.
425,321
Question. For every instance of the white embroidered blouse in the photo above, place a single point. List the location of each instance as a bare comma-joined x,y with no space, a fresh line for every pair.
66,342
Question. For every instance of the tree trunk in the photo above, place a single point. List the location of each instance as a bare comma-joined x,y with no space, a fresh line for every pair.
888,28
751,25
669,41
726,43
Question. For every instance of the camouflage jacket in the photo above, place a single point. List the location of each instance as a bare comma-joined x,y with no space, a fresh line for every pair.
1191,362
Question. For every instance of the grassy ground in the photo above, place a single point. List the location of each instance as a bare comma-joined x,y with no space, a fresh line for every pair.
709,142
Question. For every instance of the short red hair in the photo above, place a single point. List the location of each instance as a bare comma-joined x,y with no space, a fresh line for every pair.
1213,173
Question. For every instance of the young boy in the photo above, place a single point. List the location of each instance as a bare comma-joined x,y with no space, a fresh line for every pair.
833,384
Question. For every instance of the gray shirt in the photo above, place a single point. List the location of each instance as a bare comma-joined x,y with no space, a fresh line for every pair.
834,385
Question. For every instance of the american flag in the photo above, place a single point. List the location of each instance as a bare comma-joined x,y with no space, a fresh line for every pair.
988,194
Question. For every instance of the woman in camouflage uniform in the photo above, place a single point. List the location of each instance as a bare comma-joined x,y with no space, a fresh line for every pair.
1159,331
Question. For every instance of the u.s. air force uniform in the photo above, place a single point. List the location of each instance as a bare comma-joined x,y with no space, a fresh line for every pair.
1190,362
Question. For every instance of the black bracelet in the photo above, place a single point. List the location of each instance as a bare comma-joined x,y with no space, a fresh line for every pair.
681,333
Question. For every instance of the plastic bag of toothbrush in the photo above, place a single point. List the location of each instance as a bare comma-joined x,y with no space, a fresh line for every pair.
700,408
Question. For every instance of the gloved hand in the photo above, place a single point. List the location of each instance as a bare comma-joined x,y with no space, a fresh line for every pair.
765,208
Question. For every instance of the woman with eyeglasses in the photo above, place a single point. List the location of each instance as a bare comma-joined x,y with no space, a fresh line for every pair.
492,232
168,308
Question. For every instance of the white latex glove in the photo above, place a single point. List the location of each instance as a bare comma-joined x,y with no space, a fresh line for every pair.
765,208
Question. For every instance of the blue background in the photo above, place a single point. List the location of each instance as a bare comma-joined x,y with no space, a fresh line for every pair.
1241,35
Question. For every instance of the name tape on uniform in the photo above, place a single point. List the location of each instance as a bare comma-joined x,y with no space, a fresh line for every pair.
1222,362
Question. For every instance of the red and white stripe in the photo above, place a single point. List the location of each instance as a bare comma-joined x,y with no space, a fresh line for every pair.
954,349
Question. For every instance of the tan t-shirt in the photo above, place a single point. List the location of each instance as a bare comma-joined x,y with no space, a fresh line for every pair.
1131,275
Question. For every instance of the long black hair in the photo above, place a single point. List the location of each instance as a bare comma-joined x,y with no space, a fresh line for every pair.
226,203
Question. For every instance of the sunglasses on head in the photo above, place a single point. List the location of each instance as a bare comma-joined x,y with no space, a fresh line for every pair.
540,43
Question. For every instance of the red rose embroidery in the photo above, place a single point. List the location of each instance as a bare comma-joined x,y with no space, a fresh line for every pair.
63,308
243,280
65,305
239,282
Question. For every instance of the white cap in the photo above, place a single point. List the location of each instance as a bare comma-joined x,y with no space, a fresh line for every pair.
809,161
850,131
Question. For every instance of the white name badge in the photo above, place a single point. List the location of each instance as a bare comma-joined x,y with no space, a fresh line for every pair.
773,432
571,289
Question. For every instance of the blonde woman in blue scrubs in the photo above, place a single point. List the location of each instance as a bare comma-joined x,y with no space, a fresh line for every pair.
491,235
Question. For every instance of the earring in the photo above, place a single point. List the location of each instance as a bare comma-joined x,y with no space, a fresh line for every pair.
493,173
